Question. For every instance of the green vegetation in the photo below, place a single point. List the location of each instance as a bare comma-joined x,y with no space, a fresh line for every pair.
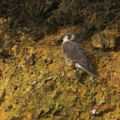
40,17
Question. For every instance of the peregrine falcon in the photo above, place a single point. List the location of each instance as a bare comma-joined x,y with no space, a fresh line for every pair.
74,55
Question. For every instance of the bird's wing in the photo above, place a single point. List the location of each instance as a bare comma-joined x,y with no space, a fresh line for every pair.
76,54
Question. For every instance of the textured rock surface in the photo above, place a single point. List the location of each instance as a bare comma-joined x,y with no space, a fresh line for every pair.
36,84
105,39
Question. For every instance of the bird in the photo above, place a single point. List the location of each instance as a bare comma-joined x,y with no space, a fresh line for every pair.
75,55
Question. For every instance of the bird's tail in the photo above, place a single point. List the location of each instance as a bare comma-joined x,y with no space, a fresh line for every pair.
90,72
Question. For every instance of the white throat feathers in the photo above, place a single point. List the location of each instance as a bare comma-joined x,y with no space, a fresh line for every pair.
66,38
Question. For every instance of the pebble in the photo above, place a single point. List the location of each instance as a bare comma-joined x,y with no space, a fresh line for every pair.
95,112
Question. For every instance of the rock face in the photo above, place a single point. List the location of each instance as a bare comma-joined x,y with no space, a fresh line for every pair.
105,39
36,84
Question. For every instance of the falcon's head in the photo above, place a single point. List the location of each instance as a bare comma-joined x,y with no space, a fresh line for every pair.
68,37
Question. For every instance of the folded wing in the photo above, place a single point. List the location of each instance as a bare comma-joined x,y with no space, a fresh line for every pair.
75,52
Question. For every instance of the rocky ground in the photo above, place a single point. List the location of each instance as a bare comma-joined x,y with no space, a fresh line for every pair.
36,84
